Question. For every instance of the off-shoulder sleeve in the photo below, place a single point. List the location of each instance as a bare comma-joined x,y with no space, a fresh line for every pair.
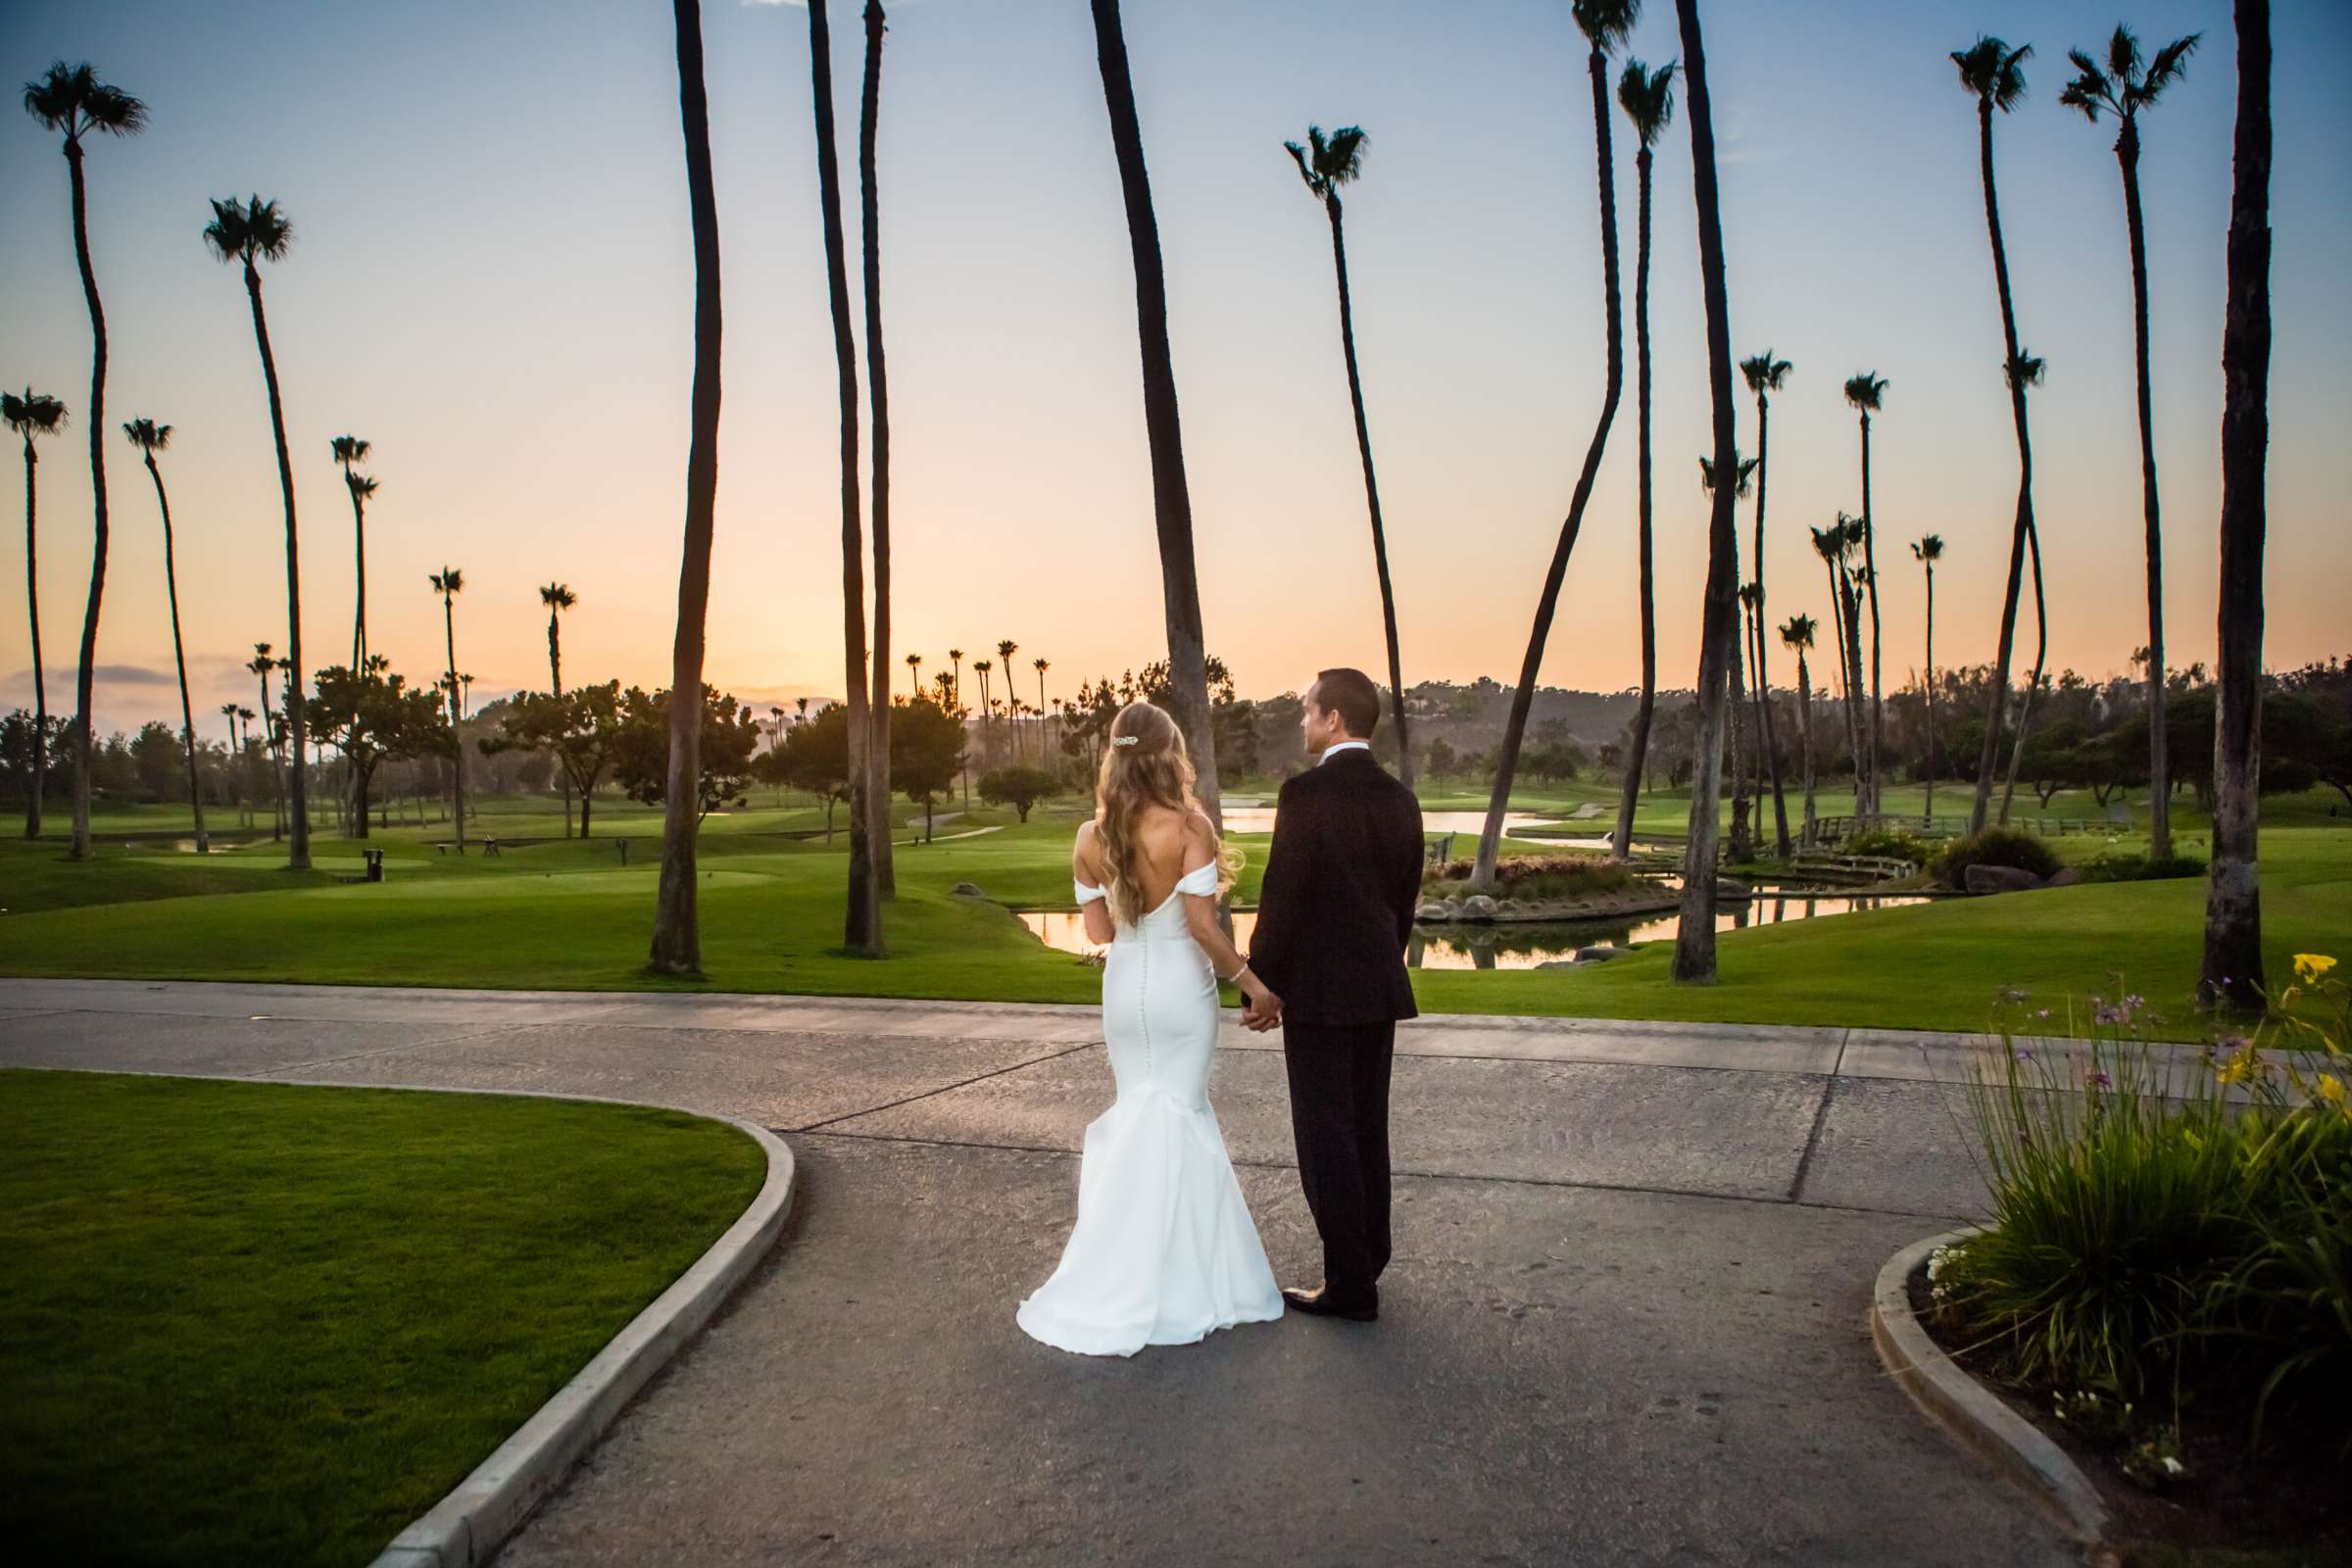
1087,895
1200,881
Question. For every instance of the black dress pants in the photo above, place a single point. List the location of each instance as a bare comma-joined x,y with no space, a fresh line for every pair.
1339,1076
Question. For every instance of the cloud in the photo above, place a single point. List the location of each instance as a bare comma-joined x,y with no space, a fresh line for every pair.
111,674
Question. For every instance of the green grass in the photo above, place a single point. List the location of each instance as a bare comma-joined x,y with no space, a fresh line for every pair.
568,915
267,1323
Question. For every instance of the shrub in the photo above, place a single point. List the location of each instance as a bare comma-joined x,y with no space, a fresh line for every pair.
2142,867
1533,876
1017,787
1995,846
1892,843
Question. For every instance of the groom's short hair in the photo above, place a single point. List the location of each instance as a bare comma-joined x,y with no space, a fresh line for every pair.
1351,694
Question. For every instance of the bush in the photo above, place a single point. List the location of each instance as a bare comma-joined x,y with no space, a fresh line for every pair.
1017,787
1995,846
2141,868
1891,844
1533,876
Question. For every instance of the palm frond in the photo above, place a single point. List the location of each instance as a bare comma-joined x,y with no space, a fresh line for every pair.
1797,630
2123,53
361,485
1341,160
2170,66
71,100
1306,168
1648,98
33,414
1866,391
147,435
2025,369
1605,24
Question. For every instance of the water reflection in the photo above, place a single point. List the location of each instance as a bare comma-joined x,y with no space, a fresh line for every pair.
1524,946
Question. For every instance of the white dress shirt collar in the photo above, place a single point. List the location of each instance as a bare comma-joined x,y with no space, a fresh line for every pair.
1337,747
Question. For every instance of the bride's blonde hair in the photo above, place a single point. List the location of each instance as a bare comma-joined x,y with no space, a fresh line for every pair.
1144,765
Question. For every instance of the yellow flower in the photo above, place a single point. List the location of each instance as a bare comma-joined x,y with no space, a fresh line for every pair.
2309,967
2332,1087
2237,1070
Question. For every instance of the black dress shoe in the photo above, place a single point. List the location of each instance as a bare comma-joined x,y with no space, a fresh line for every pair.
1320,1302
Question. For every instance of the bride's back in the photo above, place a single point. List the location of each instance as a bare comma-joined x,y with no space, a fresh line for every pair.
1160,838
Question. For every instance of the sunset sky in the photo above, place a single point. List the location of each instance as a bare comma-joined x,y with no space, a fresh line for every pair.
492,281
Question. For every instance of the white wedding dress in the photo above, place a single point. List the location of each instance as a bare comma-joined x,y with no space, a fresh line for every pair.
1164,1252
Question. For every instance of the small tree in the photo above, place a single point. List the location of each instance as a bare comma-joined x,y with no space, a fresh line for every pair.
730,734
926,752
817,759
580,728
1017,787
374,715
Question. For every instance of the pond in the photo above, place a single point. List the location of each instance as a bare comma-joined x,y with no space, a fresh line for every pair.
1530,944
1260,819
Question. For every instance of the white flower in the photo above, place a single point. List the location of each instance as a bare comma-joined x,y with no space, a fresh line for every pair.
2173,1466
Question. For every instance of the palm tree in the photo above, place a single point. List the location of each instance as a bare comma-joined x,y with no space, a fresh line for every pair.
1850,581
955,701
1867,393
988,707
1740,846
1832,545
348,450
35,414
252,232
1012,728
868,816
2123,89
1648,98
72,102
1695,940
915,673
262,664
449,582
150,438
1797,632
956,659
1992,71
558,598
1927,551
1337,161
1765,375
1172,495
1604,24
2027,371
2233,968
1041,668
877,754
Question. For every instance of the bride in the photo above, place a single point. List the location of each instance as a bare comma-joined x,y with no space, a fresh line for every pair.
1163,1251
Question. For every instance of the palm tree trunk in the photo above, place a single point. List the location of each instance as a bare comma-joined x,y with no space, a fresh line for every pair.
1998,701
677,929
555,681
864,921
2233,968
40,684
2159,802
2041,649
886,879
82,849
1928,811
1171,497
1522,695
1805,714
1845,697
1857,703
1870,569
298,849
1636,754
1772,750
1380,538
1738,845
456,716
358,554
1695,940
179,658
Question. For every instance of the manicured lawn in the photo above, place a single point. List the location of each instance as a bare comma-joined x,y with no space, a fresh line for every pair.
569,915
263,1323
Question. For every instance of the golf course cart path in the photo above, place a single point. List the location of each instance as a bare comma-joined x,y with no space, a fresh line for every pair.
1625,1320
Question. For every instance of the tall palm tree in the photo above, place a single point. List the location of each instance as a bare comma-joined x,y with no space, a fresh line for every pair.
1850,586
1041,666
868,816
915,673
348,450
1335,161
150,438
1867,393
988,707
1797,632
1834,545
1172,495
1005,652
72,102
956,659
262,664
1648,98
2233,968
1765,376
1605,24
252,232
2123,88
877,754
2027,371
1740,845
1695,940
449,582
1927,551
1994,71
35,414
558,598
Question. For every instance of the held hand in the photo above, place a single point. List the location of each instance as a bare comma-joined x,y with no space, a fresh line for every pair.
1264,1010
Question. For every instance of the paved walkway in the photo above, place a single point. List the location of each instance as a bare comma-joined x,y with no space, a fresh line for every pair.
1625,1322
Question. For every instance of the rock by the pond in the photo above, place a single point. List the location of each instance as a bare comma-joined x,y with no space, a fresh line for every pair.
2066,877
1478,906
1998,879
1436,909
1600,953
1557,963
967,889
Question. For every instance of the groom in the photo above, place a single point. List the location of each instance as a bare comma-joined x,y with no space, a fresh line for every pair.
1336,908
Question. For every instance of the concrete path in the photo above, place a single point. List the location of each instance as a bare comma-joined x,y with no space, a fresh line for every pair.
1625,1323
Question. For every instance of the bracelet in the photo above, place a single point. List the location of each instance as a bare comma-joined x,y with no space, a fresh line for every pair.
1234,977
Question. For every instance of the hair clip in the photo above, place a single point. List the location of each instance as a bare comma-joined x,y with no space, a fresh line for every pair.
1125,740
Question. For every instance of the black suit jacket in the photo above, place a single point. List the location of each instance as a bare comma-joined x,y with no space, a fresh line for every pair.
1342,882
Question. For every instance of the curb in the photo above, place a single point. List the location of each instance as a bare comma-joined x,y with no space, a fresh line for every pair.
1962,1406
467,1527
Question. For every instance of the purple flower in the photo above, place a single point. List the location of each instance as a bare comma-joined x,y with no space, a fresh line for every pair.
2099,1080
2023,1055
